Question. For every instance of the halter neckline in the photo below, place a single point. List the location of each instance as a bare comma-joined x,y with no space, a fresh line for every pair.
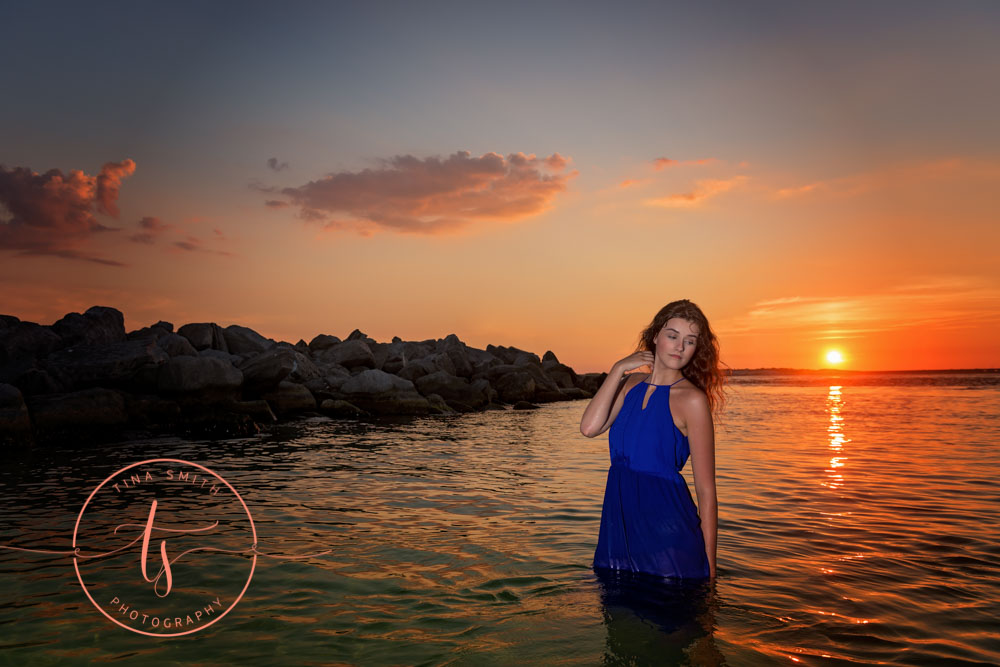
664,385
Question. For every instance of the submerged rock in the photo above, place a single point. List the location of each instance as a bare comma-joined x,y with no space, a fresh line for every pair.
15,422
78,414
290,398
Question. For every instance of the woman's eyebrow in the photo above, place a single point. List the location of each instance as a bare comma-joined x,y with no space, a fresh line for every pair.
678,332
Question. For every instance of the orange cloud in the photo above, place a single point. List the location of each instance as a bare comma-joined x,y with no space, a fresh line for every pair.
629,182
109,183
798,190
944,303
411,195
703,191
896,175
664,162
53,213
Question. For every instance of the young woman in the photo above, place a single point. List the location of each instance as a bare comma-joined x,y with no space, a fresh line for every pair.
649,522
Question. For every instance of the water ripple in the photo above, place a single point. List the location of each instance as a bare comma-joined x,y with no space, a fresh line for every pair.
858,524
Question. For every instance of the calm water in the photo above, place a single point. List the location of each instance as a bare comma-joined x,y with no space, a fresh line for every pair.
859,524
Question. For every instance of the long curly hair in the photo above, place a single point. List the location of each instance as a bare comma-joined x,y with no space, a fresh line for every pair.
704,370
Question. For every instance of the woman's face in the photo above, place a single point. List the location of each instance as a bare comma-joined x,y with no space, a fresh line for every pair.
676,342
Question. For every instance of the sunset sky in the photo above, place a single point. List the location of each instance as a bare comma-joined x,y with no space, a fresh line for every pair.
542,175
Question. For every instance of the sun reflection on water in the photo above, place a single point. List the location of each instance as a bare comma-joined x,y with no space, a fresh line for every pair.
834,473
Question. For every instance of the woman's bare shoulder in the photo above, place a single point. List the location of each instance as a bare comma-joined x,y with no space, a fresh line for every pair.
692,397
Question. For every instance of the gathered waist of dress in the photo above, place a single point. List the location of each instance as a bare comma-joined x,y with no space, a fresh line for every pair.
623,464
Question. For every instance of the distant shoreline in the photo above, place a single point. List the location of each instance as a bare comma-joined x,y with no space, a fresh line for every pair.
842,371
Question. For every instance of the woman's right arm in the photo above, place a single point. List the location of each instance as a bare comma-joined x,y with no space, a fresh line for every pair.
607,402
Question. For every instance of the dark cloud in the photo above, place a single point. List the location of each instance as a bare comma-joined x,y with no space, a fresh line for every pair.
408,194
53,213
151,229
273,163
195,244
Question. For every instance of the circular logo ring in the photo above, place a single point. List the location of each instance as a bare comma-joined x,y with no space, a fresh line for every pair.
79,576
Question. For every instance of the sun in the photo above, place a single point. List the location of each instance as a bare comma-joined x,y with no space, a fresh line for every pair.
834,357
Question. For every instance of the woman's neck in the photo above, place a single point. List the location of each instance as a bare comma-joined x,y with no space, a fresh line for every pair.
664,376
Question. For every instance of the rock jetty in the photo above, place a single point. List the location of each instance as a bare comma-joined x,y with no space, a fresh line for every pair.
84,378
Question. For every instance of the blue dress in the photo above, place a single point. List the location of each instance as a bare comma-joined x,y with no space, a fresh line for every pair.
649,522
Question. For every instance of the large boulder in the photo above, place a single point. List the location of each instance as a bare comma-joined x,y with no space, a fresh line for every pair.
204,376
414,370
245,341
482,386
289,398
414,350
77,413
322,342
482,361
390,357
357,334
561,374
458,356
452,389
83,366
591,382
37,381
513,355
15,422
374,381
334,376
232,359
510,381
21,343
379,392
349,354
304,370
99,325
204,335
155,331
443,362
262,372
176,345
515,386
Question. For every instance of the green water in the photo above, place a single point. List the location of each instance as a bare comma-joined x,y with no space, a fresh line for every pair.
859,525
